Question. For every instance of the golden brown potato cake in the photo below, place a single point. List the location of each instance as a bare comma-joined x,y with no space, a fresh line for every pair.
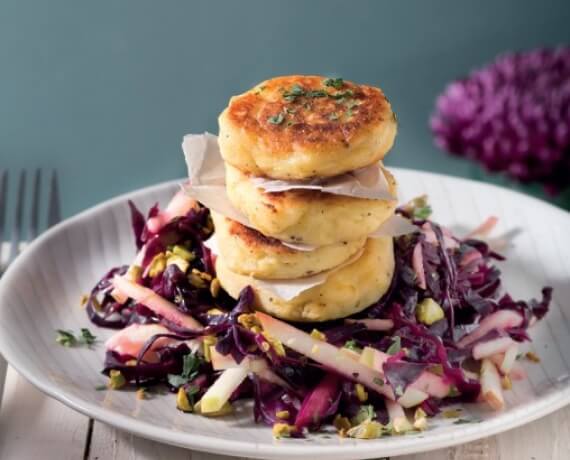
346,291
300,127
248,252
308,216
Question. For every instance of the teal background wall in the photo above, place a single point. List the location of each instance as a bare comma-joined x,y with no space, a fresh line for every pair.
104,90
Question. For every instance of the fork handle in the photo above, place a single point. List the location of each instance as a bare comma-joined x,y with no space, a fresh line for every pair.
3,369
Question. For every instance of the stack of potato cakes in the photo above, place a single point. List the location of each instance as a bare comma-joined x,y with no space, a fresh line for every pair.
305,128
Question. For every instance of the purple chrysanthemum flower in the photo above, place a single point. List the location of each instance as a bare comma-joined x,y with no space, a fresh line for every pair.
512,116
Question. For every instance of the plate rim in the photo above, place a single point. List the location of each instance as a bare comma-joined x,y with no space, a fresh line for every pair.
406,445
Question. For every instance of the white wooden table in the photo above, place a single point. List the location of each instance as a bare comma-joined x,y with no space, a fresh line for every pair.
33,426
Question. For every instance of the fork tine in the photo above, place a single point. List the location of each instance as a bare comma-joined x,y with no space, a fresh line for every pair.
35,211
3,201
17,227
54,213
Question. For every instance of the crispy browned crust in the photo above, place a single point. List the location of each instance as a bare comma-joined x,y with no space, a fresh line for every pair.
318,123
252,238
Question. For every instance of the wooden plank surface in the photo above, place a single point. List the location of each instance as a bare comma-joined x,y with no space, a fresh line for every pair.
33,426
112,444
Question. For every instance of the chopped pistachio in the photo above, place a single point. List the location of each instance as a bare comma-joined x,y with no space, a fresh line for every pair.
83,300
182,401
401,425
421,424
532,357
215,287
282,430
429,312
96,304
181,251
282,414
506,383
368,429
196,281
181,263
141,394
365,412
318,335
341,423
134,273
419,413
420,419
202,275
157,265
275,343
360,392
208,341
248,320
116,380
453,392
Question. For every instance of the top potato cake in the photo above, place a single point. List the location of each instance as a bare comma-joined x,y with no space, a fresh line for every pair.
302,127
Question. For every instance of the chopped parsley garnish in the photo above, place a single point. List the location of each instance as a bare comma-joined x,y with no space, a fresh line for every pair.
422,212
418,207
190,366
298,91
295,91
68,338
351,104
463,421
316,93
276,119
342,94
396,346
192,391
87,337
336,83
352,345
65,338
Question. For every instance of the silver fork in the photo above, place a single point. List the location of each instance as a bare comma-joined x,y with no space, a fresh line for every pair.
33,226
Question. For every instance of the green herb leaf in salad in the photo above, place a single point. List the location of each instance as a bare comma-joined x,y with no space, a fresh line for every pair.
190,366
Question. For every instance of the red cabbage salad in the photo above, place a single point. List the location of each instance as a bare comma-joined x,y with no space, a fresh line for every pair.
444,333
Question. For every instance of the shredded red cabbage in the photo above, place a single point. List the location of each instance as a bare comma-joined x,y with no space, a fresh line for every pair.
460,276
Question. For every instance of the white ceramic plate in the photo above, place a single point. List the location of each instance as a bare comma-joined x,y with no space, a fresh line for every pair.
41,292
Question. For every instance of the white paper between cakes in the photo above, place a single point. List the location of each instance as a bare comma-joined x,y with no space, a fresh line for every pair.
207,184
